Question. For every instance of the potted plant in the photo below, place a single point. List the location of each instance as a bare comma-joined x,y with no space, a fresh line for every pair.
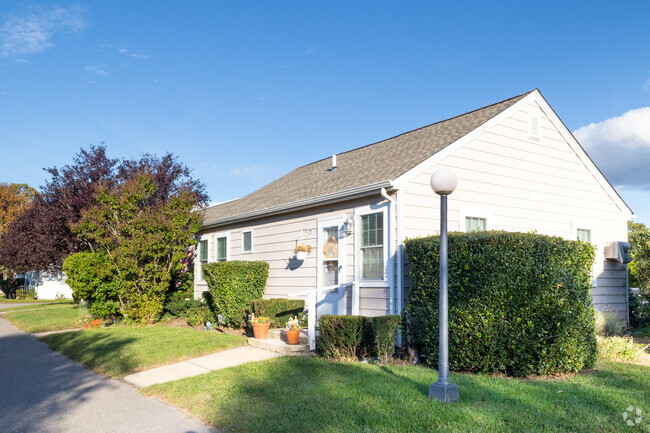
293,331
302,251
261,326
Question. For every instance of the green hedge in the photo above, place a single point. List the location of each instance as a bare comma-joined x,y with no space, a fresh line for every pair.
352,337
385,330
280,310
93,278
233,285
519,303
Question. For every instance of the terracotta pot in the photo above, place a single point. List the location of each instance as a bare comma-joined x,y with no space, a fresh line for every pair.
261,330
292,336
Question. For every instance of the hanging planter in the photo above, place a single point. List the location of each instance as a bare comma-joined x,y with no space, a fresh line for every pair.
302,251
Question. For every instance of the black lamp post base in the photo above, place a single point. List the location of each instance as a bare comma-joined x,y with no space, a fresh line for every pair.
446,393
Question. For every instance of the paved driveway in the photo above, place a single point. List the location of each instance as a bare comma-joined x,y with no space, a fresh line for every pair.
42,391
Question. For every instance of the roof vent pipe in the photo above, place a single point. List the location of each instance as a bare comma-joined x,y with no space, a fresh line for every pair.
334,162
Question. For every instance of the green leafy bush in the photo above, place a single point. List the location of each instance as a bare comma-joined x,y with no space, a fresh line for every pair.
639,309
93,278
233,285
344,337
519,303
385,330
280,310
179,302
196,316
607,324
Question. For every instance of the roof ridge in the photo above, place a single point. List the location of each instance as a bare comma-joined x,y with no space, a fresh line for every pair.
419,128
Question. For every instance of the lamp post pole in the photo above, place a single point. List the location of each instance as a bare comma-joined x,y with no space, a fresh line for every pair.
443,182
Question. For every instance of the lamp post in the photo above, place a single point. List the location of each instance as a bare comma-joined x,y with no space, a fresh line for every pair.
443,182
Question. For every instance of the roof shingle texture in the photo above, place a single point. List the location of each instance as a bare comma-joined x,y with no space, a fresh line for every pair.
381,161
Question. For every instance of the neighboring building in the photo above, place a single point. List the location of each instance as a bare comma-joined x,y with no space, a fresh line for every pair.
47,285
519,169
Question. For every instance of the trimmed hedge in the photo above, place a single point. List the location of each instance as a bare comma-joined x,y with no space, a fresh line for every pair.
233,285
352,337
385,330
280,310
519,303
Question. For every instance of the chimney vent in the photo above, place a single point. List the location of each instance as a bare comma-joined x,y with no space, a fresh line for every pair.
334,166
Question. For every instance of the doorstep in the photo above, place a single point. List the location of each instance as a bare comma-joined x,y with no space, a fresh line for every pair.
277,342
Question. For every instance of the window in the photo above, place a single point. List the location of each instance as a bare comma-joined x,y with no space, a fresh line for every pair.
247,242
222,249
583,235
372,246
475,224
203,256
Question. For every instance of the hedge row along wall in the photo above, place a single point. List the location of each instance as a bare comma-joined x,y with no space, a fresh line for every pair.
519,303
233,285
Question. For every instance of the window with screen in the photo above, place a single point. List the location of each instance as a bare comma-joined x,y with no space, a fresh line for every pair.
372,246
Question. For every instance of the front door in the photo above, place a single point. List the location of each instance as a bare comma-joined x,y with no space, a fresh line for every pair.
331,266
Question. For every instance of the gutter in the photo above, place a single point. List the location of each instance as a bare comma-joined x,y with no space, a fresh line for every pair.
391,252
361,191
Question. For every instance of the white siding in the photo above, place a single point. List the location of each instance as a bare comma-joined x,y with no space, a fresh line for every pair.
525,184
274,239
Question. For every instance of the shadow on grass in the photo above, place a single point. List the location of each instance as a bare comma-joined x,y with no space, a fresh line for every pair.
313,395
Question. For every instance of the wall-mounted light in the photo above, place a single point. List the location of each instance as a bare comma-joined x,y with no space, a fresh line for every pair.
348,226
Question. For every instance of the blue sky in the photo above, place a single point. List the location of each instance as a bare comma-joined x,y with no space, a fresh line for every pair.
244,92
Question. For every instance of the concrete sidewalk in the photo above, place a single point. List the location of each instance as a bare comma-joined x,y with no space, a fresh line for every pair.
196,366
43,391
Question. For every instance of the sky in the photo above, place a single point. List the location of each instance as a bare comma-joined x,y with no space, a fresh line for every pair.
245,91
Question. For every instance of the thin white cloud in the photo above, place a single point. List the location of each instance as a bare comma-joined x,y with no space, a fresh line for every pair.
245,171
310,50
122,50
620,146
35,31
97,69
646,85
135,55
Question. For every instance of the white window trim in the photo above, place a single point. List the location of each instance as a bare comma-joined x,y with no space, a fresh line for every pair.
242,242
586,225
198,275
358,213
473,213
226,235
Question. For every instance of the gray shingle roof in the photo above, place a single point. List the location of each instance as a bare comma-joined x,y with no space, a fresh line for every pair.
381,161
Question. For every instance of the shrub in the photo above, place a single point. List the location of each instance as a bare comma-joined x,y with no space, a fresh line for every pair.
93,278
619,348
179,302
233,285
196,316
639,309
385,330
519,303
280,310
607,324
342,337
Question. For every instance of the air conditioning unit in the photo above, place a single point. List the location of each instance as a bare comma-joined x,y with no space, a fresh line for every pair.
619,251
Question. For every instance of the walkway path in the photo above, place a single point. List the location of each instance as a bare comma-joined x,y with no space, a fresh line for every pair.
196,366
42,391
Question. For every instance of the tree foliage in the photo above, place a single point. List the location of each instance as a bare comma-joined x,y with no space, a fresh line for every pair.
14,198
41,237
144,235
639,239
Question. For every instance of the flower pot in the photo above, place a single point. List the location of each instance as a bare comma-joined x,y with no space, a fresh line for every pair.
292,336
261,330
301,255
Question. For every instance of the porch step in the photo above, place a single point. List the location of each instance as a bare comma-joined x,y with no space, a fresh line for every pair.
277,342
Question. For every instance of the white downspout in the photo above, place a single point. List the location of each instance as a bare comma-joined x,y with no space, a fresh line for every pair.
391,252
400,252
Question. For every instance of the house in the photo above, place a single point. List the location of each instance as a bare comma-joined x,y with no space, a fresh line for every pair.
519,169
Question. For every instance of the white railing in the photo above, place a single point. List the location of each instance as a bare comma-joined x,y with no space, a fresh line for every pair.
311,306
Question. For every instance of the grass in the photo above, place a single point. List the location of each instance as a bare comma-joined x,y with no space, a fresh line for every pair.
300,394
46,318
641,332
620,348
121,350
40,306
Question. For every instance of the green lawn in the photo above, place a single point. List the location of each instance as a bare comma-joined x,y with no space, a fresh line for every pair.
298,394
33,301
46,317
121,350
40,306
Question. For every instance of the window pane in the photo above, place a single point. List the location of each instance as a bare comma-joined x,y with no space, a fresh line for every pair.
372,266
330,273
372,230
203,251
247,242
584,235
221,249
475,224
